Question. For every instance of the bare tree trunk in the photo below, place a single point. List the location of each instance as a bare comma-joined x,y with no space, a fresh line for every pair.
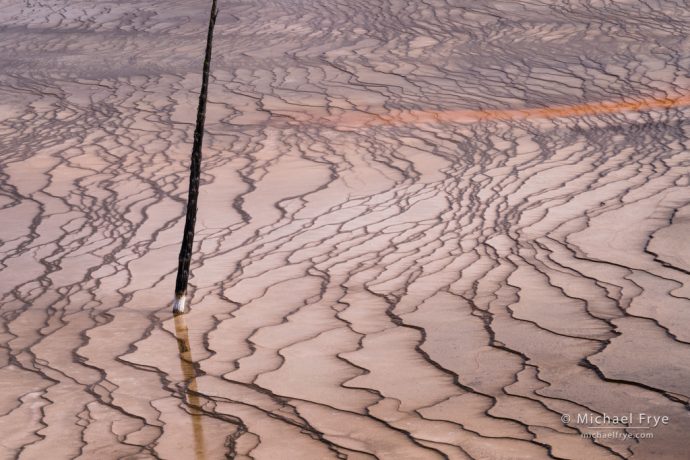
194,177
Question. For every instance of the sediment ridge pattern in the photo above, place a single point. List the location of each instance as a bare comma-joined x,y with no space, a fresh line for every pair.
426,230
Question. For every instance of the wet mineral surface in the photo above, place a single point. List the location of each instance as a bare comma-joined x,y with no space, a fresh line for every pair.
427,230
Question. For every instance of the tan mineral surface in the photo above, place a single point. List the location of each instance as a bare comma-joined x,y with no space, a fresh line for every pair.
427,230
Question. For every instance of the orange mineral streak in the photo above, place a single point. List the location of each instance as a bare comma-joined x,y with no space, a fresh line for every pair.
472,116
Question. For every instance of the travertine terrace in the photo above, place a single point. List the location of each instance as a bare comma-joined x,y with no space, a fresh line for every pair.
427,230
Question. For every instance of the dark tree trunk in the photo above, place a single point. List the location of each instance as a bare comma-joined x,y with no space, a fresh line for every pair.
194,176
